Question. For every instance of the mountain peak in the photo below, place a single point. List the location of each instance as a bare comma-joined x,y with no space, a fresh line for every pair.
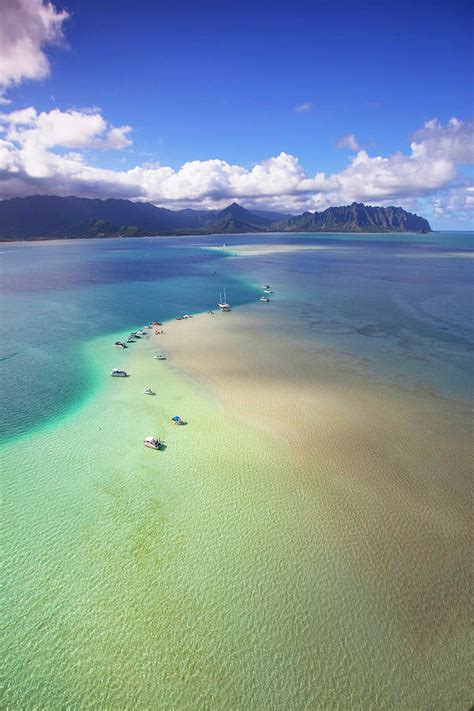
235,208
44,216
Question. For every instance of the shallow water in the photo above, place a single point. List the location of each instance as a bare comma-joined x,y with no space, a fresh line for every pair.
225,572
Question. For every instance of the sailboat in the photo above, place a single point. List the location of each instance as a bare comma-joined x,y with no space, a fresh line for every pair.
223,305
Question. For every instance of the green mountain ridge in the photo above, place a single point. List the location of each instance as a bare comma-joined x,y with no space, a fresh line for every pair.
52,217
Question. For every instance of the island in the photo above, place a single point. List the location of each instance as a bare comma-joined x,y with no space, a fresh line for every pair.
40,217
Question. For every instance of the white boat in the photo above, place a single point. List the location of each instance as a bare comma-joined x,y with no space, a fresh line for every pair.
148,391
223,305
265,286
117,373
119,344
159,357
152,442
268,291
264,298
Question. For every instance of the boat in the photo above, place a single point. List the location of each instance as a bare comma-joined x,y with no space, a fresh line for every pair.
152,442
223,305
264,298
134,335
130,340
265,286
268,291
213,272
148,391
120,344
117,373
159,356
177,420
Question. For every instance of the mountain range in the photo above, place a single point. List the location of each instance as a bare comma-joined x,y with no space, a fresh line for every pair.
52,217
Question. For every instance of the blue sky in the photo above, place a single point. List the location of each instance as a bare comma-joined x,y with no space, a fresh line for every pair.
242,83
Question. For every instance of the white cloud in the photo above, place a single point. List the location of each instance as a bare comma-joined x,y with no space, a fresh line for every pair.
348,141
26,26
44,153
454,142
67,129
304,108
457,202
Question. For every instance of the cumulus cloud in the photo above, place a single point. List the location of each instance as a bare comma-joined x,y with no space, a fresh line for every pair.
348,141
457,202
304,108
67,129
454,142
26,27
44,153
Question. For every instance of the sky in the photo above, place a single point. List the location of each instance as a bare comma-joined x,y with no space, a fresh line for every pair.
288,106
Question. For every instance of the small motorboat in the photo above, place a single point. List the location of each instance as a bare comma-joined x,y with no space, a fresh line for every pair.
179,318
264,298
268,291
148,391
130,340
213,272
159,356
135,335
177,420
117,373
120,344
265,286
139,334
156,323
152,442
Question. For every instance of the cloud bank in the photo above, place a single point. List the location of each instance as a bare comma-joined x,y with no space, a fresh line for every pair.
58,152
46,153
26,27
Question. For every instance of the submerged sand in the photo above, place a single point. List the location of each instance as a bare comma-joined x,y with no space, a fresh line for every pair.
303,542
384,466
259,250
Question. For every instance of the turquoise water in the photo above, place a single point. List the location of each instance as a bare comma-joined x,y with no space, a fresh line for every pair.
233,571
57,296
402,302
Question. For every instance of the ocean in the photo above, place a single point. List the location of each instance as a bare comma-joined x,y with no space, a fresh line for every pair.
232,572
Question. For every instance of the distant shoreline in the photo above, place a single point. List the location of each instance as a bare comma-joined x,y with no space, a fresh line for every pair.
218,234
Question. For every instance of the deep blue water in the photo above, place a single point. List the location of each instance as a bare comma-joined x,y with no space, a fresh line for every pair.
402,302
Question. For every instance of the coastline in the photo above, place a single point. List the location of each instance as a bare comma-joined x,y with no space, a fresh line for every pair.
196,233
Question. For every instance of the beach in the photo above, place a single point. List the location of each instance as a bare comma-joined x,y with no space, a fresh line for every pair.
301,542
